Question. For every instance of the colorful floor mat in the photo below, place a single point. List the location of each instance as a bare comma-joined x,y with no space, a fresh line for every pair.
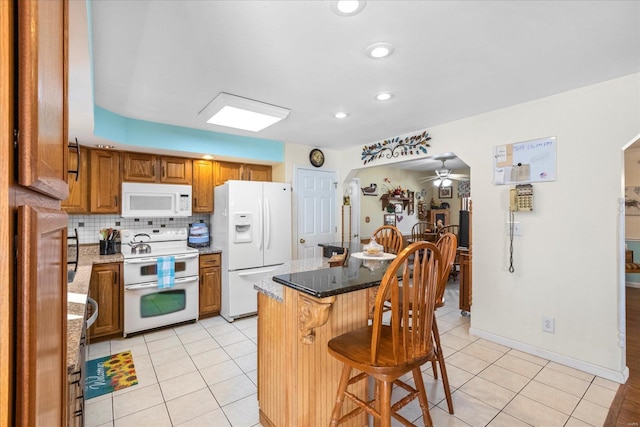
108,374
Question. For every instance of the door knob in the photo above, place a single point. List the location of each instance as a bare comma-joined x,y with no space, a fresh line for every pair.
302,240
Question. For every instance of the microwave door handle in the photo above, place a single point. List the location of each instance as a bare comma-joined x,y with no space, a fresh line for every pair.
177,205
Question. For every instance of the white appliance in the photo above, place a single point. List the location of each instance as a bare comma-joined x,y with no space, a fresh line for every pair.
146,306
155,200
252,226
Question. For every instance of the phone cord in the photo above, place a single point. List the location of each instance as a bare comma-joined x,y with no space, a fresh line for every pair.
511,219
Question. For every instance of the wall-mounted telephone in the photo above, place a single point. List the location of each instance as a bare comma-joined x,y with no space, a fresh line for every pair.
521,198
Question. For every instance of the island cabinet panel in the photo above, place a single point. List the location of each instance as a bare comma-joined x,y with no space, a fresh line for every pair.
298,381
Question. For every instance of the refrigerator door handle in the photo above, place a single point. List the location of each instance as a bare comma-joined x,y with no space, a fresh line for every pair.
260,224
267,224
253,272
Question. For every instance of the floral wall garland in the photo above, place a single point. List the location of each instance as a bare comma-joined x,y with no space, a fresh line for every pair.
394,147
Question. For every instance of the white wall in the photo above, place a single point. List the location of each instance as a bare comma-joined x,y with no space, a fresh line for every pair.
568,261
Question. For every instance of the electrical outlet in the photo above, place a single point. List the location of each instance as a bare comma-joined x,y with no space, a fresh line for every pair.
549,324
517,228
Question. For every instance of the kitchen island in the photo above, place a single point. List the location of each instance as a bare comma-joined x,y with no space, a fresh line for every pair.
298,313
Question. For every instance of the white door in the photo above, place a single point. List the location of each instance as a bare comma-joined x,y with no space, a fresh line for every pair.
316,210
354,196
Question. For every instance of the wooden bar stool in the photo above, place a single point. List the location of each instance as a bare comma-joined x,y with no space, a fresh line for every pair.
387,352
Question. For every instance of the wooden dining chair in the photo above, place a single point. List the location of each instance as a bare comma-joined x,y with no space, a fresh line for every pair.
448,246
386,352
453,229
390,237
422,231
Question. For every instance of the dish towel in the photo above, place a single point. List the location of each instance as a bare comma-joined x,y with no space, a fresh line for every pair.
166,266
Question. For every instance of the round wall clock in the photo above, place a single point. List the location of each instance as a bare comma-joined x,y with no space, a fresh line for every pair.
316,157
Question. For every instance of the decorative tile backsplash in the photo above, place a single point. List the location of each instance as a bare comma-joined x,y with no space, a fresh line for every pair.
89,226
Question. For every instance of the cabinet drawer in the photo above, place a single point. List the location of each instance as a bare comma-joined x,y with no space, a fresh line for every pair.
209,260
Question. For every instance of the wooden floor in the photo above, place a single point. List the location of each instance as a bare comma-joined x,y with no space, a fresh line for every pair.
625,409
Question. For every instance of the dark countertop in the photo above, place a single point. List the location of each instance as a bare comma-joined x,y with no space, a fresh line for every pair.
357,274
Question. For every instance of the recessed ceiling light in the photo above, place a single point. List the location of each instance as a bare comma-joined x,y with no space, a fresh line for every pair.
379,50
347,7
383,96
107,146
242,113
340,115
207,157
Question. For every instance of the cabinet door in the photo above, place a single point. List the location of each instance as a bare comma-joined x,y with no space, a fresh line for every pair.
41,317
107,289
139,167
78,200
209,297
175,170
42,91
202,186
105,181
257,173
225,171
210,283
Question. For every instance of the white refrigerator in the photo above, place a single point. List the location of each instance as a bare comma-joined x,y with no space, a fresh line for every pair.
252,226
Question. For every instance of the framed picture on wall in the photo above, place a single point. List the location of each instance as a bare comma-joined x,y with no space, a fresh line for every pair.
389,219
445,193
398,208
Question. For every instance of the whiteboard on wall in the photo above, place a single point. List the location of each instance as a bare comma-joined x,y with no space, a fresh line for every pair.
525,162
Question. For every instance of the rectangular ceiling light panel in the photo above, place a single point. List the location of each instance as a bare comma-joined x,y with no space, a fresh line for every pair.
242,113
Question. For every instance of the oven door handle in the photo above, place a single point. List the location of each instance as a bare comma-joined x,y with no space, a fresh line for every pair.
155,284
155,259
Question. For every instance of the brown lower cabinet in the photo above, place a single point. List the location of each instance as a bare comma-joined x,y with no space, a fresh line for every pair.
210,284
106,288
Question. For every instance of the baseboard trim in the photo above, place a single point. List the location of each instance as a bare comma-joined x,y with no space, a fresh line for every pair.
609,374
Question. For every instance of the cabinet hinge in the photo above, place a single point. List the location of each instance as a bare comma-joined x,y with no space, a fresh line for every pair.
335,185
16,133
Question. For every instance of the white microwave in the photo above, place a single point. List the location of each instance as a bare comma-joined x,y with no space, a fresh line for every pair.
155,200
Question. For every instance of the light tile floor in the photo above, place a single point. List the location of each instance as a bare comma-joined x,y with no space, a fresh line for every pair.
204,374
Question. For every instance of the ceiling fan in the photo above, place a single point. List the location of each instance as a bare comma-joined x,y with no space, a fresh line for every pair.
443,175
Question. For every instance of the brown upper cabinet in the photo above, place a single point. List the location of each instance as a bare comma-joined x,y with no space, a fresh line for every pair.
202,188
225,171
104,188
78,201
143,167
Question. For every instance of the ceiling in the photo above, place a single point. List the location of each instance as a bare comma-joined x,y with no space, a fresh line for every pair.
164,61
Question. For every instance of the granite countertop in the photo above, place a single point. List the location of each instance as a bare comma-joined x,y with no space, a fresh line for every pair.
209,250
274,290
333,281
77,292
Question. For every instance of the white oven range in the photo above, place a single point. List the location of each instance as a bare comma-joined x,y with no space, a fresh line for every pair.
146,306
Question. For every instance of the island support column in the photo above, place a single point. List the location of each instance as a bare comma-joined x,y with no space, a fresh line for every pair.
297,378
